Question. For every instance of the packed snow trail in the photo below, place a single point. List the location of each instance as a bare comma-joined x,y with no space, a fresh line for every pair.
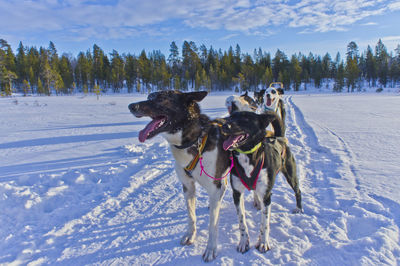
347,219
124,205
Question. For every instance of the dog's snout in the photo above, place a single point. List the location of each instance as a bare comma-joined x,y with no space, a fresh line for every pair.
133,107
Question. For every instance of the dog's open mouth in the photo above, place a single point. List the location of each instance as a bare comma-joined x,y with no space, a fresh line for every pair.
152,128
269,101
234,141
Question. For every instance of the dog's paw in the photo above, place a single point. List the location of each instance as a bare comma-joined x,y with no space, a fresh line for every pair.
298,210
210,254
257,205
262,247
256,202
188,239
243,246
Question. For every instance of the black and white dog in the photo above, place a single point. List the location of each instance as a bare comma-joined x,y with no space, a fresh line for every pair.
176,116
257,161
244,102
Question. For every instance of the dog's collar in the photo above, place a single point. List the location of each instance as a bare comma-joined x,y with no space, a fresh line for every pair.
270,108
254,149
187,145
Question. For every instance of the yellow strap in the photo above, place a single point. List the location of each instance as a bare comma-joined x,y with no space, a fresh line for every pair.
254,149
193,163
269,134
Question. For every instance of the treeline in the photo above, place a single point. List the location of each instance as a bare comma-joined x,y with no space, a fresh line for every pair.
43,71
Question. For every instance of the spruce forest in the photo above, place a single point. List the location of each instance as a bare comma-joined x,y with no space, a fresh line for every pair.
43,71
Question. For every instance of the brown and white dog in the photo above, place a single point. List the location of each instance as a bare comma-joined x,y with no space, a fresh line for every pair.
240,103
176,116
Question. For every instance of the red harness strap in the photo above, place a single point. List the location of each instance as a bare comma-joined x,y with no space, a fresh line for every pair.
251,181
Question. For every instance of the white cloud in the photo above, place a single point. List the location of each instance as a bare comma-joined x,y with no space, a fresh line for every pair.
227,37
127,18
391,39
369,24
394,6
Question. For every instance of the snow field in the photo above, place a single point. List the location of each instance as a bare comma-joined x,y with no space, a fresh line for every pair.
76,186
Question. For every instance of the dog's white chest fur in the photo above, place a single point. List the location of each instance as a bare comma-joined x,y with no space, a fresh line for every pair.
262,181
245,163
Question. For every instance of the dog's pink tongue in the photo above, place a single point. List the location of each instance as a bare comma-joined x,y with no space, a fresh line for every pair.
269,101
144,133
230,141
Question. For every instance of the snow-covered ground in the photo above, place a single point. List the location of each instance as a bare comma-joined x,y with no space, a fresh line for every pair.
77,187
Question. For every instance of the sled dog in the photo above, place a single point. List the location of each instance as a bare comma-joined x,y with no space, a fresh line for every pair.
257,161
240,103
272,101
197,146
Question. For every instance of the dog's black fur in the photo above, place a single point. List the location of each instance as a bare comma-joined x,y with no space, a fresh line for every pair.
177,117
259,96
245,131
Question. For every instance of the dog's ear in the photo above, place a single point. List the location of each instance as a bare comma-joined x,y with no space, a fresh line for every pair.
274,119
196,96
280,91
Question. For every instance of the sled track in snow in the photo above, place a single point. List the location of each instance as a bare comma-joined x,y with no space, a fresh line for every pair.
342,223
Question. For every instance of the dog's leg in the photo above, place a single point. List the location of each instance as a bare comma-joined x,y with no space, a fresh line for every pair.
290,172
215,196
283,115
190,198
243,245
189,191
263,239
256,203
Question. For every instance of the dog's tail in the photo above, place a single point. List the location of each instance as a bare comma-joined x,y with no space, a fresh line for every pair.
276,122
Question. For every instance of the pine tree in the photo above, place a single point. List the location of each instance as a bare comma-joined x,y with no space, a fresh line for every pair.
98,66
25,87
117,66
352,51
33,62
173,59
268,77
371,67
144,69
339,79
21,64
66,73
53,57
40,88
382,58
6,79
295,72
351,73
131,69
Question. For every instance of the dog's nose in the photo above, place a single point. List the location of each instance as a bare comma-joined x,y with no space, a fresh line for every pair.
133,107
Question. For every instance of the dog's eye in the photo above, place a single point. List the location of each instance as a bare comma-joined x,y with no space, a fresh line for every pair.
273,91
151,96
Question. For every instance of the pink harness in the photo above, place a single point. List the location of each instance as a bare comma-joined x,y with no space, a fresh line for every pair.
215,178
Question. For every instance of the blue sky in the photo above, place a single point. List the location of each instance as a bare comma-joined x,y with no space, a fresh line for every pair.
317,26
